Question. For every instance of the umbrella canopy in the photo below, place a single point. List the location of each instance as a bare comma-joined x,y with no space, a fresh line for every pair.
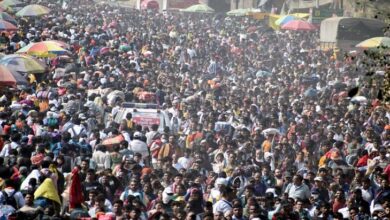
298,25
359,99
271,131
285,19
33,11
200,8
262,73
375,42
59,43
310,93
43,49
7,78
240,12
7,26
10,3
23,64
6,17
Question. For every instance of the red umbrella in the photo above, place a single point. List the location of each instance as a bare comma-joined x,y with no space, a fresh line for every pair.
7,78
7,26
299,25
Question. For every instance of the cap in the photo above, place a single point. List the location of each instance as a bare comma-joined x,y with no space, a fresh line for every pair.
137,134
318,178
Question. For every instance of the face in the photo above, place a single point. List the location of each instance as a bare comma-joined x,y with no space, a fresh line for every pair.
29,199
237,212
117,208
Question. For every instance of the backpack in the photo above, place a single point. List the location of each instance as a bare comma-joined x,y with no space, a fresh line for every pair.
10,200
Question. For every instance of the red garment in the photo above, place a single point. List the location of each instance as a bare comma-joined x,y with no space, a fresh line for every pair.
387,171
338,205
362,162
75,193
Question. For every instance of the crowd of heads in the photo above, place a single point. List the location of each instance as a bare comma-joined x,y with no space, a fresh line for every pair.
263,124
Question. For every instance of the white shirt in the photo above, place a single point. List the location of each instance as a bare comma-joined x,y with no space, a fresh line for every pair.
138,146
186,163
222,206
6,149
345,212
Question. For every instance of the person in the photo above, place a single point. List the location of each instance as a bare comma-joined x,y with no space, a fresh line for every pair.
28,210
286,212
138,146
297,189
224,204
11,196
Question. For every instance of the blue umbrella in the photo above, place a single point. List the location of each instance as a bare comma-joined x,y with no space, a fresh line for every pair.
284,20
262,73
310,93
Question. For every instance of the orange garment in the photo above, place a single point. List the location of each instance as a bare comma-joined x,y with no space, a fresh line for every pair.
266,146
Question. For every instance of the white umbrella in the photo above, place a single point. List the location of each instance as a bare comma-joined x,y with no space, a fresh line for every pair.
360,99
273,131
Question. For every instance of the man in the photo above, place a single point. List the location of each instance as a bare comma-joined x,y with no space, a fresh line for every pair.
319,186
10,196
117,209
133,189
151,135
101,159
259,186
297,189
91,183
286,212
224,205
29,209
138,146
238,213
302,212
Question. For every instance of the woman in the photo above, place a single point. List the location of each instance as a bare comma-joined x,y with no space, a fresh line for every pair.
219,163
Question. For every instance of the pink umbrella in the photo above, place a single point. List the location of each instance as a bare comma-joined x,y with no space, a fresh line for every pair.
299,25
7,26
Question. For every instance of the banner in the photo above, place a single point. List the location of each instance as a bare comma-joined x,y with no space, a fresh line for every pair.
182,3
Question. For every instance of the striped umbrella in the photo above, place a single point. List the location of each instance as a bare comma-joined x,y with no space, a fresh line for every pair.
43,49
33,11
6,17
7,78
21,63
7,26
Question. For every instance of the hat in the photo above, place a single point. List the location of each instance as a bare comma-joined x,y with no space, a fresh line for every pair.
137,134
318,178
378,208
272,190
221,181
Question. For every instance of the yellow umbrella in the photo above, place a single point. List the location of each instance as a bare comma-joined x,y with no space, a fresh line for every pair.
301,15
33,11
375,42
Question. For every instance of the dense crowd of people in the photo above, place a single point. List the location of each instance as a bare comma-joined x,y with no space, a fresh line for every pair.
263,124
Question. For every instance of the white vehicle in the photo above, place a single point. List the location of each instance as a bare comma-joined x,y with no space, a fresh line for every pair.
144,114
